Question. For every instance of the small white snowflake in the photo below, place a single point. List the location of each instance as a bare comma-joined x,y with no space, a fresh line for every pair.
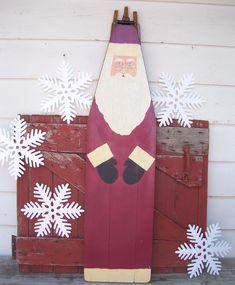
204,250
52,213
176,100
19,148
66,92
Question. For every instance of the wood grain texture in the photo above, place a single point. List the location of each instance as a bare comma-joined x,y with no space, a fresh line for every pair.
202,23
206,26
44,251
172,214
119,216
35,58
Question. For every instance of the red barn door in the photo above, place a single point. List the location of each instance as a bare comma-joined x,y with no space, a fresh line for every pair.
181,190
64,151
180,199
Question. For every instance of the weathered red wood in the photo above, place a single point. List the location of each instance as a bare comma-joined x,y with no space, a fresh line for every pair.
173,166
202,196
62,163
119,217
195,124
49,251
163,259
172,139
23,192
176,204
58,137
166,229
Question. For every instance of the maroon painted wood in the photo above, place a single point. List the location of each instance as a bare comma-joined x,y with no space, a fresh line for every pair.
176,202
60,157
119,216
50,251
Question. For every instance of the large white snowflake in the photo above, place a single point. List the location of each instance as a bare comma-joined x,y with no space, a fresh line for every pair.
176,100
204,250
66,92
18,147
52,213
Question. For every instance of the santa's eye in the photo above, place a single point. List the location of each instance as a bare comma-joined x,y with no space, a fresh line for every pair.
118,62
130,63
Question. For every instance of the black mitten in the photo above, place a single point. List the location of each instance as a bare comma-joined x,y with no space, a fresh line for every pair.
107,171
133,172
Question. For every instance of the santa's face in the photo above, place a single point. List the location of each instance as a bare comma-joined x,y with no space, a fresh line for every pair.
124,65
122,94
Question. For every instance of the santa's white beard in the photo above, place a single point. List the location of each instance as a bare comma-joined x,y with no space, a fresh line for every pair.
123,101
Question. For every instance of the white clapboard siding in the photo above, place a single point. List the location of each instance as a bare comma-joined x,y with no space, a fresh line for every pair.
221,181
160,22
6,233
21,91
7,183
218,99
222,210
202,2
182,36
228,235
30,59
8,209
222,143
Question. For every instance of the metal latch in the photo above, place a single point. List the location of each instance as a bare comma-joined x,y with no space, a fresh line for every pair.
186,173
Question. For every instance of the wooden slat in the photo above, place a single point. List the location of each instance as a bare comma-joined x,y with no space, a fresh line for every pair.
6,244
222,143
7,213
166,229
43,57
212,110
61,163
23,189
222,210
170,140
169,260
220,176
202,23
62,137
50,251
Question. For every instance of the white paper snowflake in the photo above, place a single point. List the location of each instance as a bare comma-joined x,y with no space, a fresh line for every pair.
18,147
66,92
176,100
52,213
204,250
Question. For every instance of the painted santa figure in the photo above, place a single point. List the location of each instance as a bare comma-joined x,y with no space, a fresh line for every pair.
120,167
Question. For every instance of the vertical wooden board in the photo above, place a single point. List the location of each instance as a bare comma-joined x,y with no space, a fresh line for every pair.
74,197
69,166
178,202
175,200
41,176
74,225
120,134
164,255
23,190
202,197
80,222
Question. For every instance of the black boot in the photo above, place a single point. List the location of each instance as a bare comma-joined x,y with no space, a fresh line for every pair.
133,172
107,171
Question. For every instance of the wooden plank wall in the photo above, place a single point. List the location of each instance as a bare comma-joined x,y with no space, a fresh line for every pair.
178,37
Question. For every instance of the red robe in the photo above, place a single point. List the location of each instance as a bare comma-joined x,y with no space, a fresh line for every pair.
119,216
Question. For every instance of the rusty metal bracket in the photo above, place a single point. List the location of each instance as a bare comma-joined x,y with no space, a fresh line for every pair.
186,173
13,246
